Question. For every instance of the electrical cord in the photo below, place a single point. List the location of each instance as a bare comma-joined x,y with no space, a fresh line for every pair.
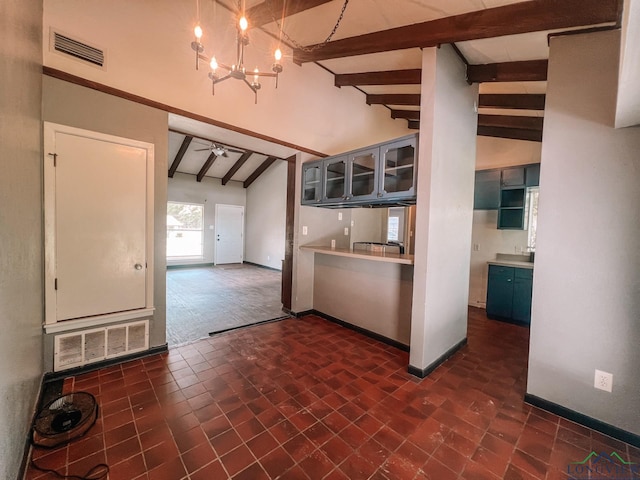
97,472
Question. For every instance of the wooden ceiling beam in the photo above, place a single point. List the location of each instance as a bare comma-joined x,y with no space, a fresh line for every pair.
510,133
526,71
521,101
183,149
259,171
406,114
207,165
236,166
394,99
390,77
512,19
265,12
414,124
511,121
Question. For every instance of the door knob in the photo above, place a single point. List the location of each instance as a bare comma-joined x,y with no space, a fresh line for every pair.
138,266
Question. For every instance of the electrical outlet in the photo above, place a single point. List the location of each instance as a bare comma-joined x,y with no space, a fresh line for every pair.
346,230
339,215
603,381
476,247
305,230
333,243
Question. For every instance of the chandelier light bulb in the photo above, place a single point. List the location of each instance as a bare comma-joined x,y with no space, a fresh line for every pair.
256,75
213,64
198,32
278,55
244,24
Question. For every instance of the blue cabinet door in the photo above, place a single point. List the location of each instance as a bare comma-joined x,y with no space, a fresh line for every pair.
312,182
522,288
533,175
500,291
486,195
398,168
335,179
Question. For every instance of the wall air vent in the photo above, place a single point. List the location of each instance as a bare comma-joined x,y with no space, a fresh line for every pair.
82,51
89,346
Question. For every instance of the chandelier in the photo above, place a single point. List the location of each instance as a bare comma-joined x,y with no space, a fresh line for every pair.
236,70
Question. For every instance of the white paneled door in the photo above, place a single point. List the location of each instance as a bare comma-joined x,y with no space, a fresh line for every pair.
100,226
229,234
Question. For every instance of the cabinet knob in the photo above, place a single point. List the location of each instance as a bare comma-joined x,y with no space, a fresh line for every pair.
137,266
508,279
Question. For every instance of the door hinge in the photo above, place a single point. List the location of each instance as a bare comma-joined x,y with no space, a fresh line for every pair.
55,284
55,158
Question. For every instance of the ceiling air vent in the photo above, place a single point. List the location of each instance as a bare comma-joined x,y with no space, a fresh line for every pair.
82,51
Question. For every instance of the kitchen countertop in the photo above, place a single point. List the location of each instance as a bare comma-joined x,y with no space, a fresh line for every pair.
511,263
361,254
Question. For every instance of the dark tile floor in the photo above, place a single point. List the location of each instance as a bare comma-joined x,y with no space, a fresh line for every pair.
201,300
306,399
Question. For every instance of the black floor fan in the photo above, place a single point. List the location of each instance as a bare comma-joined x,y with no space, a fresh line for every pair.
62,420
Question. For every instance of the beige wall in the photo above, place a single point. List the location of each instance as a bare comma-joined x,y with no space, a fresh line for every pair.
373,295
80,107
586,286
20,226
504,152
148,53
266,217
490,241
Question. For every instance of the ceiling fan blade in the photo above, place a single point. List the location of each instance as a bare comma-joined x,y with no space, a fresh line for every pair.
201,149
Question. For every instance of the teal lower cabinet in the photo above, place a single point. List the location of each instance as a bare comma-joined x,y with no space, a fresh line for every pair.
509,294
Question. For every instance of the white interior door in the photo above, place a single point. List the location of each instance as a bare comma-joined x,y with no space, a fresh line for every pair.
229,234
100,227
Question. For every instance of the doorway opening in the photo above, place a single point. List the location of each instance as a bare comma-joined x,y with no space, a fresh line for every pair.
227,219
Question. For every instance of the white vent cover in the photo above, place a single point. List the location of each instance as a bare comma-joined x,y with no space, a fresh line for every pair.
89,346
77,49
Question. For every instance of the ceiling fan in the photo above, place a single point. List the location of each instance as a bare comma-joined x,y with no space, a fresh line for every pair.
218,149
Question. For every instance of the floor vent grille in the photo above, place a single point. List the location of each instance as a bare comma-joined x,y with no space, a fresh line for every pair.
75,48
89,346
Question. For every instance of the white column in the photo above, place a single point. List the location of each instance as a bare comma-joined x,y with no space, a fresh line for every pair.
444,212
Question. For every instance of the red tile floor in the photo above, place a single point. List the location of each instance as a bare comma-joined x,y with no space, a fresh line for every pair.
306,399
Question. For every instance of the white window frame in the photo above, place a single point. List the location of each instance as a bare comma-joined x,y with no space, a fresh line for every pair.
202,231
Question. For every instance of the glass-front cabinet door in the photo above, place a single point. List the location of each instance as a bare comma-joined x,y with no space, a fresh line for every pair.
398,175
363,178
335,180
311,182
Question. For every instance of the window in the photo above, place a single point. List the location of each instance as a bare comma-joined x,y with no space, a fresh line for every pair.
395,224
392,229
532,201
185,230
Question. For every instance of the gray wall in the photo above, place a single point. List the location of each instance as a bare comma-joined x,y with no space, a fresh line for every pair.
586,286
20,226
80,107
209,192
266,217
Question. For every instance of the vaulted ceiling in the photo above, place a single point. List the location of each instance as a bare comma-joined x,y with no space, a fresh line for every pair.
377,50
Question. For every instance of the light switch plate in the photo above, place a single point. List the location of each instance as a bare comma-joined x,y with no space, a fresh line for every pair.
339,215
305,230
346,230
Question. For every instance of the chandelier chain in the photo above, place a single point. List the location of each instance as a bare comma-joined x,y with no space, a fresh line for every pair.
312,47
